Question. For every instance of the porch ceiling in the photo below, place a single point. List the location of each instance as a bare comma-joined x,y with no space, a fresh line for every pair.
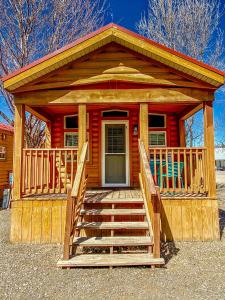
49,111
121,36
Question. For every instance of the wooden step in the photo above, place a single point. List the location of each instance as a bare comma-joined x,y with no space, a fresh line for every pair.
113,200
113,225
113,212
117,241
102,260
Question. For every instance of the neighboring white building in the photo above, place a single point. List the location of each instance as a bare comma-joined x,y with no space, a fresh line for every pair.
220,158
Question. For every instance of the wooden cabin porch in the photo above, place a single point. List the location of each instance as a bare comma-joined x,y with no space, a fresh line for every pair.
179,171
182,173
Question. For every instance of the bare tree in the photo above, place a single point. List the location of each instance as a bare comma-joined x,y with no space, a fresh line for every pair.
191,27
30,29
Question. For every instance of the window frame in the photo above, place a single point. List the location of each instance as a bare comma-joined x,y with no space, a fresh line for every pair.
74,115
119,110
64,126
157,132
165,120
71,133
3,147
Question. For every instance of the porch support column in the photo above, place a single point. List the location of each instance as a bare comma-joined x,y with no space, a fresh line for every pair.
82,127
18,150
48,133
182,133
143,120
209,144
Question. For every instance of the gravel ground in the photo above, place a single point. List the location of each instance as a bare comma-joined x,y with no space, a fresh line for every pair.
195,271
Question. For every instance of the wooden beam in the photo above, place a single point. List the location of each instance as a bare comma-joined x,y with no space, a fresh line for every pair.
82,127
156,95
18,150
143,121
209,144
190,111
182,133
36,114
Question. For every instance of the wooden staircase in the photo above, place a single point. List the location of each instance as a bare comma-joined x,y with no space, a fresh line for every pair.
122,238
110,227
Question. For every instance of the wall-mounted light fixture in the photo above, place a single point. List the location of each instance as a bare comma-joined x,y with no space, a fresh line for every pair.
135,131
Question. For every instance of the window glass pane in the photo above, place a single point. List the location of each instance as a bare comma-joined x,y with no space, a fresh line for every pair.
156,121
157,139
2,152
71,122
71,140
115,113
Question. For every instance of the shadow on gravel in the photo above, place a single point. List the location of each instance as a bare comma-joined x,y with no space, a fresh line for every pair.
168,250
222,222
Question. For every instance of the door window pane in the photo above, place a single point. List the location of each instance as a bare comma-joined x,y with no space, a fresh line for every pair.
115,139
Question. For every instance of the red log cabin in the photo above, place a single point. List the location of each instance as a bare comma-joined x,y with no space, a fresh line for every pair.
115,171
6,156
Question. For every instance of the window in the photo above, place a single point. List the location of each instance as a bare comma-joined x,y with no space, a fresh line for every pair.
115,113
71,122
156,121
157,138
2,152
71,139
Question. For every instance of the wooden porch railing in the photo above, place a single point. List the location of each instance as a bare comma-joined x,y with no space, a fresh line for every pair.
74,202
179,169
151,198
48,170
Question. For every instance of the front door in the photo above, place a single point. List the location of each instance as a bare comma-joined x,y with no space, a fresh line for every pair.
115,153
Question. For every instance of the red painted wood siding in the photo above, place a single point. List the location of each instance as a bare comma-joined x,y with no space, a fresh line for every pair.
94,164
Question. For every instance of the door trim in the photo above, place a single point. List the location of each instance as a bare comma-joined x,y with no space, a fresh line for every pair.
126,122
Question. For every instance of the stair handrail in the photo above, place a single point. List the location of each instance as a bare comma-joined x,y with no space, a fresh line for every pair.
152,197
75,199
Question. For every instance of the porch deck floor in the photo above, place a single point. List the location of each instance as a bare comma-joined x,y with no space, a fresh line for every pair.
115,193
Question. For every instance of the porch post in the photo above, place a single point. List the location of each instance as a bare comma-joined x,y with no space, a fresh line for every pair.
18,150
182,133
82,127
209,144
143,120
48,133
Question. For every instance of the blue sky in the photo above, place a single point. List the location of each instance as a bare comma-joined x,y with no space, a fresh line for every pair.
127,13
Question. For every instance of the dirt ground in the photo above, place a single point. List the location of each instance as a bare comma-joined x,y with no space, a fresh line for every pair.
195,270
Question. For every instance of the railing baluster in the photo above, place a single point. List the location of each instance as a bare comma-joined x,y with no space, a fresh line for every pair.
161,169
172,162
178,169
167,171
185,171
65,176
187,165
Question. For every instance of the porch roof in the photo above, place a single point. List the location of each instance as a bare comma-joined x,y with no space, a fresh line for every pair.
122,36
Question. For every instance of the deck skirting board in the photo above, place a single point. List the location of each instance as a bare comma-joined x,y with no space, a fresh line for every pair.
43,221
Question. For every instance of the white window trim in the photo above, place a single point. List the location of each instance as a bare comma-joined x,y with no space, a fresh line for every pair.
165,119
3,150
75,115
158,132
